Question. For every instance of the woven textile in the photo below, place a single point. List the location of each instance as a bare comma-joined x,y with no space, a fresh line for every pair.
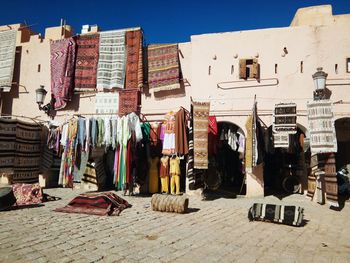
107,102
102,204
129,101
284,123
321,125
200,134
86,62
7,58
112,58
134,70
163,67
62,71
249,144
27,194
7,145
284,214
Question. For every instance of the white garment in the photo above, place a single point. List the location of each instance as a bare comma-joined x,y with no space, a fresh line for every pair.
134,124
107,137
114,123
87,134
169,141
64,135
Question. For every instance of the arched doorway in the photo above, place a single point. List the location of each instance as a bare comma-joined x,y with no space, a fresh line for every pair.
285,169
226,157
342,128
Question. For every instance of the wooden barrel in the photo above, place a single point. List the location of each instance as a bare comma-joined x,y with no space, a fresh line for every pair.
169,203
7,198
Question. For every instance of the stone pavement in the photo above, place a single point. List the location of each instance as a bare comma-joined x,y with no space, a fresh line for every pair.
213,231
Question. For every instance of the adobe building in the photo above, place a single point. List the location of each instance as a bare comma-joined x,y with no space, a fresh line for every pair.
229,70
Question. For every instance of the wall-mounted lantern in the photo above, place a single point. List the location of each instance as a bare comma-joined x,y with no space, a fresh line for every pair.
40,98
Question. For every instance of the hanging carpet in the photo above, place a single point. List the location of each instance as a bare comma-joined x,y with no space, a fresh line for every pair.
200,134
163,67
284,123
86,62
321,124
129,101
134,70
102,204
107,102
7,58
112,58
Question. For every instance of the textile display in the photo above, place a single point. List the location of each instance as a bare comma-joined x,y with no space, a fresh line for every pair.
249,144
89,177
330,177
107,102
62,71
181,142
200,134
285,118
163,67
321,125
102,204
129,101
7,145
27,194
189,167
86,62
7,55
284,214
213,133
280,140
134,70
28,153
112,59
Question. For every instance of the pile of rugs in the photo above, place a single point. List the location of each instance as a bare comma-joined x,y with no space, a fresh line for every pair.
283,214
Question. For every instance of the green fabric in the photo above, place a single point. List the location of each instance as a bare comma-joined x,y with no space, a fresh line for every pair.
101,131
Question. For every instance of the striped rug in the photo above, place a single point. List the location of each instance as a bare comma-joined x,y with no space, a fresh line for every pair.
7,145
200,134
112,59
163,67
7,58
86,62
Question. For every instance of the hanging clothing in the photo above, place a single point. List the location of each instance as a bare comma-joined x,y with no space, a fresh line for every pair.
101,131
174,166
153,175
169,136
108,132
212,136
69,157
181,142
94,132
164,166
134,124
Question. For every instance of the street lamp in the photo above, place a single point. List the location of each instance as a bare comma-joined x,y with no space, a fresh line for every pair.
40,98
320,84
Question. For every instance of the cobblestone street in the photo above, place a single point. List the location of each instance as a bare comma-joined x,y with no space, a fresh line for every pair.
213,231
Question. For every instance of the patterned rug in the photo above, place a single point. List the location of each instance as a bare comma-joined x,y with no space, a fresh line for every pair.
284,214
112,58
284,123
200,134
321,125
7,145
249,144
7,55
102,204
107,102
129,101
134,70
62,71
86,62
163,67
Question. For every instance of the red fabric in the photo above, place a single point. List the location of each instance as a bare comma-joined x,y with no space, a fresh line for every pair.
129,101
133,78
27,194
102,204
212,136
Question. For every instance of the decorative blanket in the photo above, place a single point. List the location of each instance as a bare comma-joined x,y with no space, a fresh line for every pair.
163,67
20,150
321,125
62,71
129,101
288,215
285,116
200,133
7,58
107,102
106,203
134,70
111,62
27,194
86,62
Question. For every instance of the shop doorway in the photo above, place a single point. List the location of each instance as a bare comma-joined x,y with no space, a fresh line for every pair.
342,128
226,155
285,169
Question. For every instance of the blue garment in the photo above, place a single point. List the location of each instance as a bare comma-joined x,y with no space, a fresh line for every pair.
81,131
93,134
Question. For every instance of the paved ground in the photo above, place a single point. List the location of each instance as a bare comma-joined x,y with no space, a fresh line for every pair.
214,231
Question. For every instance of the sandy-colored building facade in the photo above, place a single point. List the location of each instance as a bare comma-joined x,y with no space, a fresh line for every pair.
285,59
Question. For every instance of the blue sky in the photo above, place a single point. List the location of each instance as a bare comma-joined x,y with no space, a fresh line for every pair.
162,21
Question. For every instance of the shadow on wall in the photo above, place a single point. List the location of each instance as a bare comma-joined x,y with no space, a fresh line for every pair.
7,97
74,104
